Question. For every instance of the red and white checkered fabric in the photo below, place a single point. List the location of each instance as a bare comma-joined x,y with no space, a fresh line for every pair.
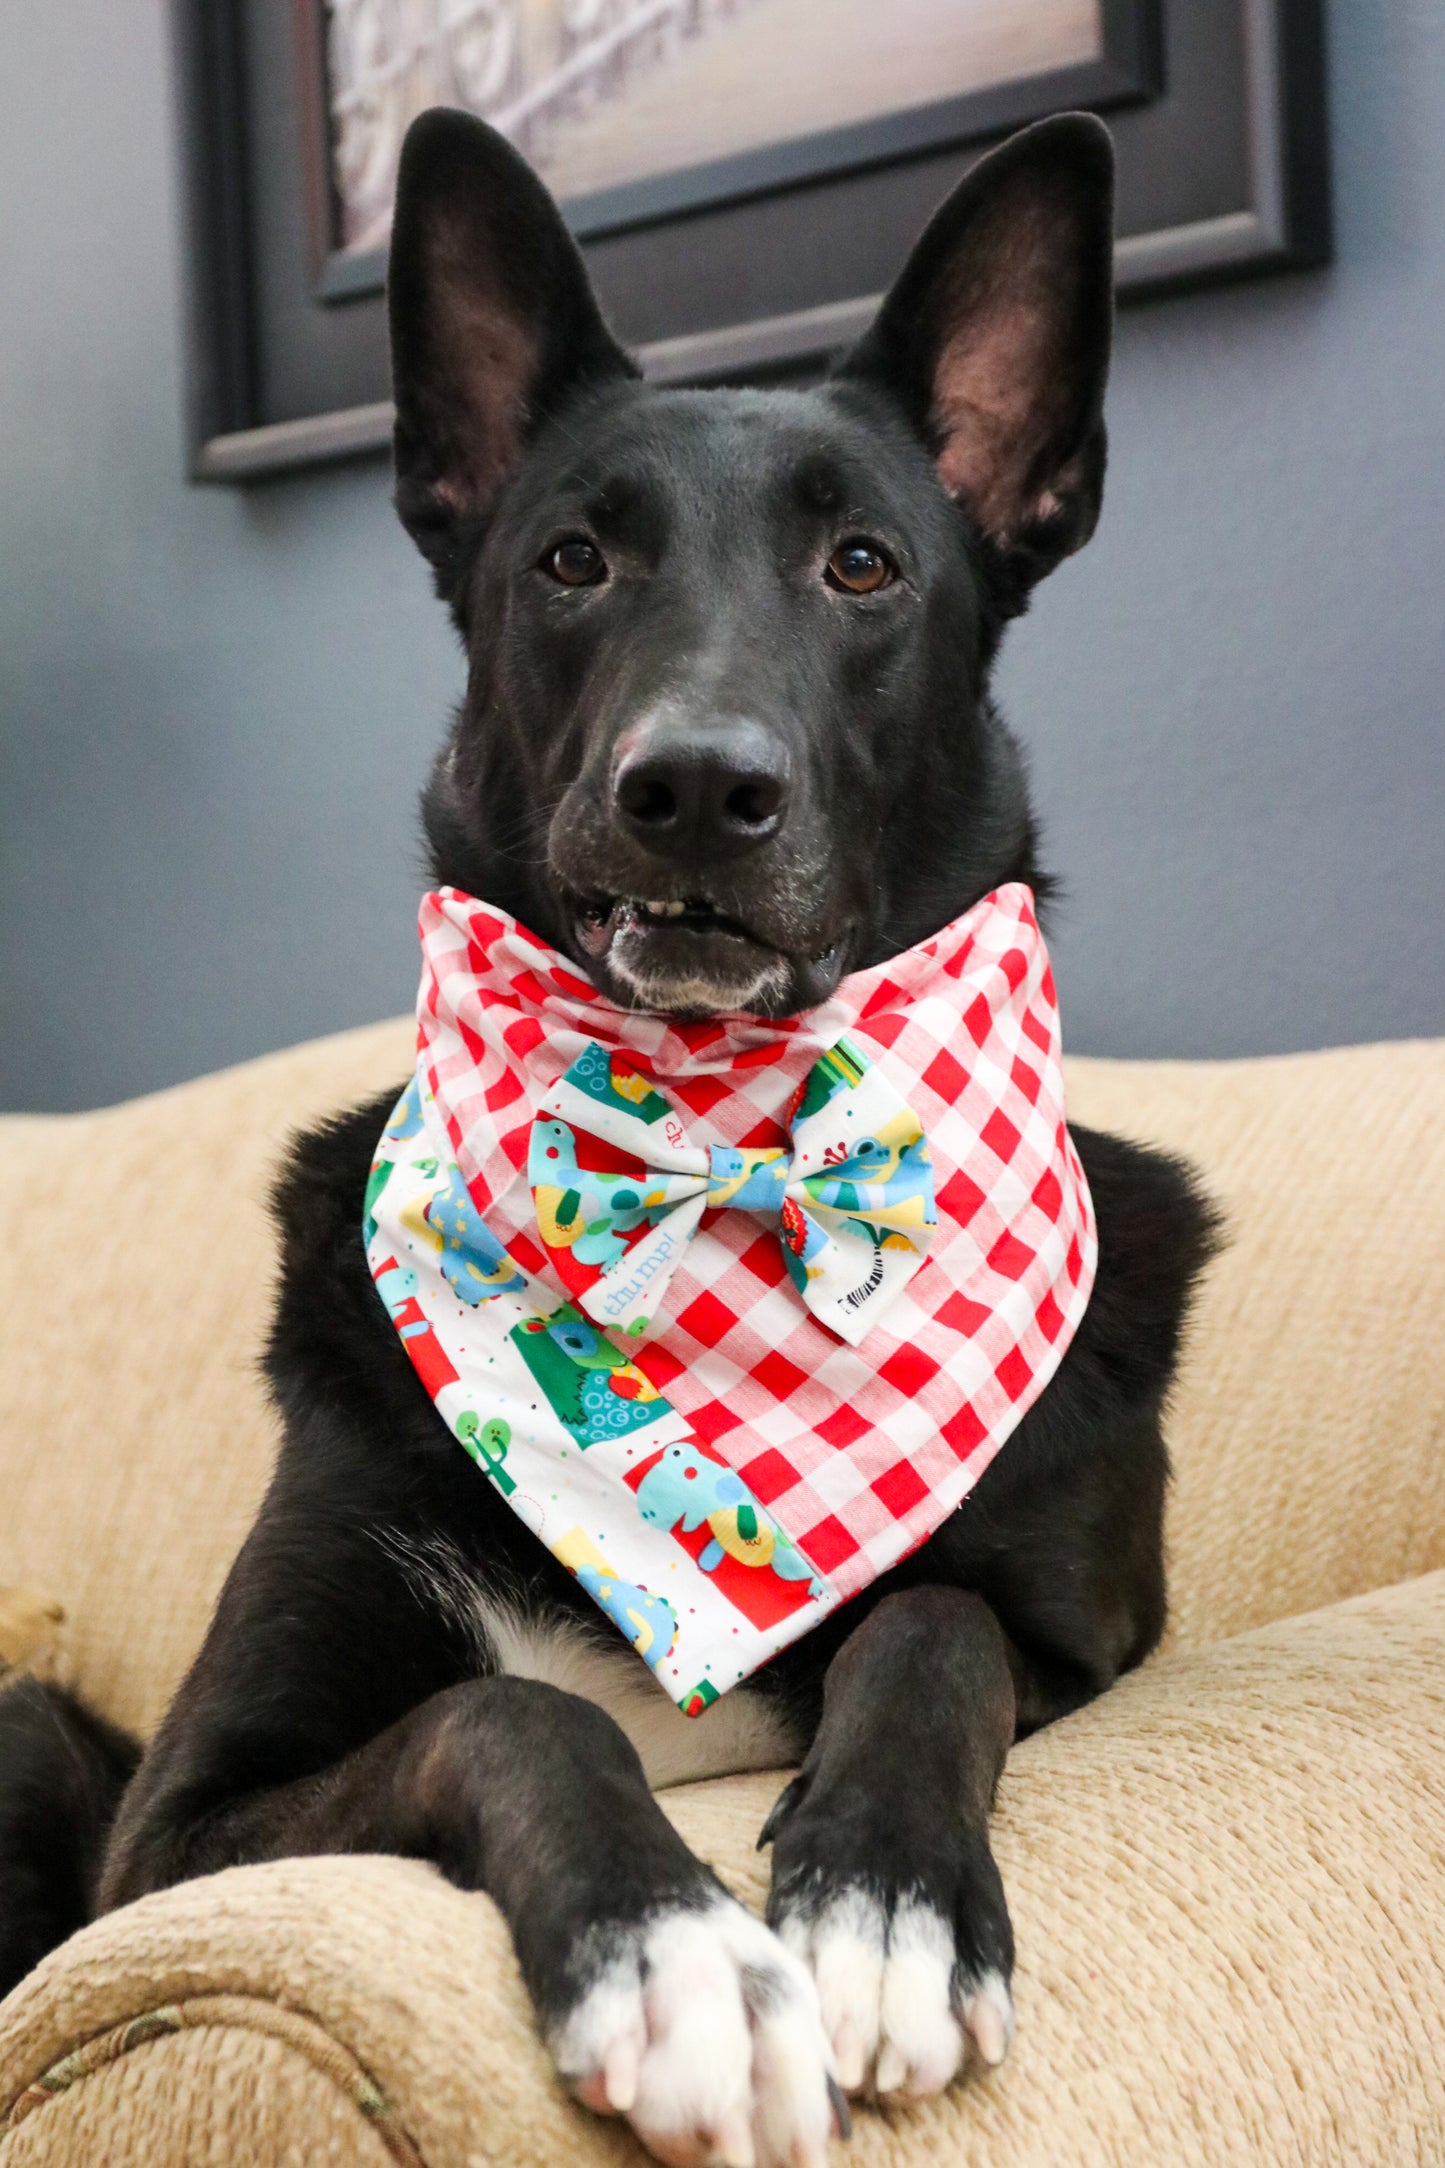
859,1452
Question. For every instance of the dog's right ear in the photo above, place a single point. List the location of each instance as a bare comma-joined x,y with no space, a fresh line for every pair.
493,324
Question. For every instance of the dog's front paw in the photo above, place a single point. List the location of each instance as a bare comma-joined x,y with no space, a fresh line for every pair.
909,1989
705,2032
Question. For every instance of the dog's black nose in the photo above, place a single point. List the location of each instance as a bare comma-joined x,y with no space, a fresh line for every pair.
713,788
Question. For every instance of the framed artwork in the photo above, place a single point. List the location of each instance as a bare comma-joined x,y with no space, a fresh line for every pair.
744,176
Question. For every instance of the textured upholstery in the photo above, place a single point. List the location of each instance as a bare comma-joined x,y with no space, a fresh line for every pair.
1225,1876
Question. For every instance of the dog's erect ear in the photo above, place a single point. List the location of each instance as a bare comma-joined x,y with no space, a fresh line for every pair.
996,339
493,324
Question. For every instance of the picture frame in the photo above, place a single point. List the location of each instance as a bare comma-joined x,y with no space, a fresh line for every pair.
755,267
1125,68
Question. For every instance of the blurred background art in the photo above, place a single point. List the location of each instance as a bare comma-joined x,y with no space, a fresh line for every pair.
217,704
597,93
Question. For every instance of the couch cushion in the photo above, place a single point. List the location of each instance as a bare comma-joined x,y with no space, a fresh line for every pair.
1308,1430
1308,1427
1224,1877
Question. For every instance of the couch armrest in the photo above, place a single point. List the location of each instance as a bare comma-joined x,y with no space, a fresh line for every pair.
1308,1426
1225,1878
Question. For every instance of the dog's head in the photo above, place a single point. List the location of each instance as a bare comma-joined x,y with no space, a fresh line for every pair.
726,732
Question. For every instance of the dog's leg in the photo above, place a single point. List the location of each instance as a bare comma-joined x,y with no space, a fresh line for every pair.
661,1997
883,1881
62,1772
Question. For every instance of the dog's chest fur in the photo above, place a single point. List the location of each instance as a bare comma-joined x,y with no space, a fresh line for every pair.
740,1731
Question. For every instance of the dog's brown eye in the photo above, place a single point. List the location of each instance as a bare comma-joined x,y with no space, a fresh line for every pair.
859,568
575,564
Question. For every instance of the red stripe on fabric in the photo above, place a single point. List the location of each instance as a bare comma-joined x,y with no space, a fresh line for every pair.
909,1370
964,1433
712,1420
1025,1079
886,995
482,931
700,1094
955,966
474,1043
524,1036
960,1198
1015,967
900,1488
884,1030
777,1375
708,1320
662,1366
1014,1373
978,1019
842,1426
768,1476
514,1142
1010,1257
1049,1194
1049,1318
572,989
1000,1135
508,1088
526,1253
697,1038
962,1316
828,1544
1032,1025
763,1258
946,1076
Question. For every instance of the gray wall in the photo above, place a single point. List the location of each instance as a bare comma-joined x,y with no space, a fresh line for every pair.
215,708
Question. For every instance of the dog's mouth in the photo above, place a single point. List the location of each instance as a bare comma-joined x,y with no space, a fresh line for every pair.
685,956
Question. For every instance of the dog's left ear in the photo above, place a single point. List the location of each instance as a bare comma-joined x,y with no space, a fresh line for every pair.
996,337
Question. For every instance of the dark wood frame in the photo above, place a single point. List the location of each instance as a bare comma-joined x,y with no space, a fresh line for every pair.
1127,69
1216,100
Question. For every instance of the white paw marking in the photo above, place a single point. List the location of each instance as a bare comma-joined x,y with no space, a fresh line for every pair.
897,2020
705,2033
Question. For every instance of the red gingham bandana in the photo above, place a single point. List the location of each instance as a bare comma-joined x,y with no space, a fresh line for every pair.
742,1435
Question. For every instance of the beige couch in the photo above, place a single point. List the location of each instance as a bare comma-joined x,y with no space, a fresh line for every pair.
1226,1877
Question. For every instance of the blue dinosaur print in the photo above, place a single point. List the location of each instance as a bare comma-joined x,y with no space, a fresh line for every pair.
685,1487
577,1210
404,1120
881,1174
649,1622
754,1180
473,1262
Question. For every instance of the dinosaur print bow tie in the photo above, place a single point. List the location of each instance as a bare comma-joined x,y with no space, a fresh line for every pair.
620,1189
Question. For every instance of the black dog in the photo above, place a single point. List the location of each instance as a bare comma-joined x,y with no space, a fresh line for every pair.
729,651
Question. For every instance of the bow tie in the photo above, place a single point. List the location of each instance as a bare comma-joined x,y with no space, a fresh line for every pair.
620,1189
